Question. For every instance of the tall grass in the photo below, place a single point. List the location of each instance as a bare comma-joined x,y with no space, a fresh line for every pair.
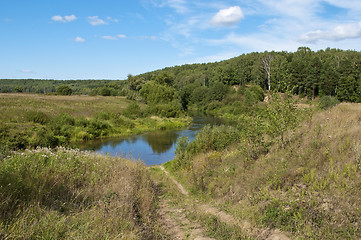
68,194
308,185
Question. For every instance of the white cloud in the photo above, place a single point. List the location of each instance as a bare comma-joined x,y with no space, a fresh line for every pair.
117,37
79,39
338,33
228,17
154,38
217,57
180,6
112,19
110,38
58,18
95,21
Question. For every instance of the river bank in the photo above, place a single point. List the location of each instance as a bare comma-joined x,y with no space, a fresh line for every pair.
31,120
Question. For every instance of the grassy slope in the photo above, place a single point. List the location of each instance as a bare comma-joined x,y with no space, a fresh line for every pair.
67,194
310,188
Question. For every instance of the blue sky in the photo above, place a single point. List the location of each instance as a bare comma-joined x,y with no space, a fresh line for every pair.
109,39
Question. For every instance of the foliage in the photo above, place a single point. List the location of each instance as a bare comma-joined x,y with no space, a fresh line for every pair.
327,102
282,115
67,120
132,110
64,90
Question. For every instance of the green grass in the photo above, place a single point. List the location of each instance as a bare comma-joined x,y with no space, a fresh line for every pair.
30,120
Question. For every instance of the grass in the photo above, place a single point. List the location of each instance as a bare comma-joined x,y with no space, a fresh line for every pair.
68,194
308,186
31,120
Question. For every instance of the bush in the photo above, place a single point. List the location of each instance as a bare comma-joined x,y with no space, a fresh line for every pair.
105,91
37,117
64,90
132,110
258,91
165,110
327,102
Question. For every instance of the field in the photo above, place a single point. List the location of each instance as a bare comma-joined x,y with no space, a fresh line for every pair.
30,120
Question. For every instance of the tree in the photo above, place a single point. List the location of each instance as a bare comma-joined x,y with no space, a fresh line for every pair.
281,116
64,90
105,91
154,93
266,64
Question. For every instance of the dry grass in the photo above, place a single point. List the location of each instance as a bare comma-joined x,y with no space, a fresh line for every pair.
14,105
310,187
67,194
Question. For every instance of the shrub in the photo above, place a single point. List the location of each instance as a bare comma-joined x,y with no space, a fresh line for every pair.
132,110
105,91
327,102
165,110
64,90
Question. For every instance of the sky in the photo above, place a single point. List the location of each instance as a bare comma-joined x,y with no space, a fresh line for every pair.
109,39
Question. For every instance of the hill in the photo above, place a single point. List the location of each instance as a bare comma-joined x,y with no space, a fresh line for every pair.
308,185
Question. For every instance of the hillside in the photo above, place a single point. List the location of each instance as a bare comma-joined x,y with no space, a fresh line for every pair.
308,187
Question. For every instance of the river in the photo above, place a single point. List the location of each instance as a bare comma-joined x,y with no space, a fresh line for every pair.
152,148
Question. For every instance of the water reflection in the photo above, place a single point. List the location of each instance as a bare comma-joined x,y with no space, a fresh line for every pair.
152,148
161,142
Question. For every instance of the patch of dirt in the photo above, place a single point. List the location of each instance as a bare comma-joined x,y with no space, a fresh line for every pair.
174,220
178,225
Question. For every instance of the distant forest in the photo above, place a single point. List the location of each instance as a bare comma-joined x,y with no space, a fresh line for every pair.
331,72
79,87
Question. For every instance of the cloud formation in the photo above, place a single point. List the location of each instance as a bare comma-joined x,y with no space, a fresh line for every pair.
58,18
95,21
228,17
79,39
338,33
117,37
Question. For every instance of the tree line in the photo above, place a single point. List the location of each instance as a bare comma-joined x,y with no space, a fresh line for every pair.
331,72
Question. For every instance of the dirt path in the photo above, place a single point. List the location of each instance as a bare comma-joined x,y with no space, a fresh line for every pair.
174,217
175,221
179,227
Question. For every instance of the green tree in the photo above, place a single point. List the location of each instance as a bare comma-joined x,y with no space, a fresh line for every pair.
281,116
154,93
105,91
64,90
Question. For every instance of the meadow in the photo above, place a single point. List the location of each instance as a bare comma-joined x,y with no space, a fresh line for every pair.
31,120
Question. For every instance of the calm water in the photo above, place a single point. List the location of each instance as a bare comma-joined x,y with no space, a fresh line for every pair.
152,148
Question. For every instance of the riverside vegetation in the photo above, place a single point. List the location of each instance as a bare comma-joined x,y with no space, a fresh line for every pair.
283,164
30,120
